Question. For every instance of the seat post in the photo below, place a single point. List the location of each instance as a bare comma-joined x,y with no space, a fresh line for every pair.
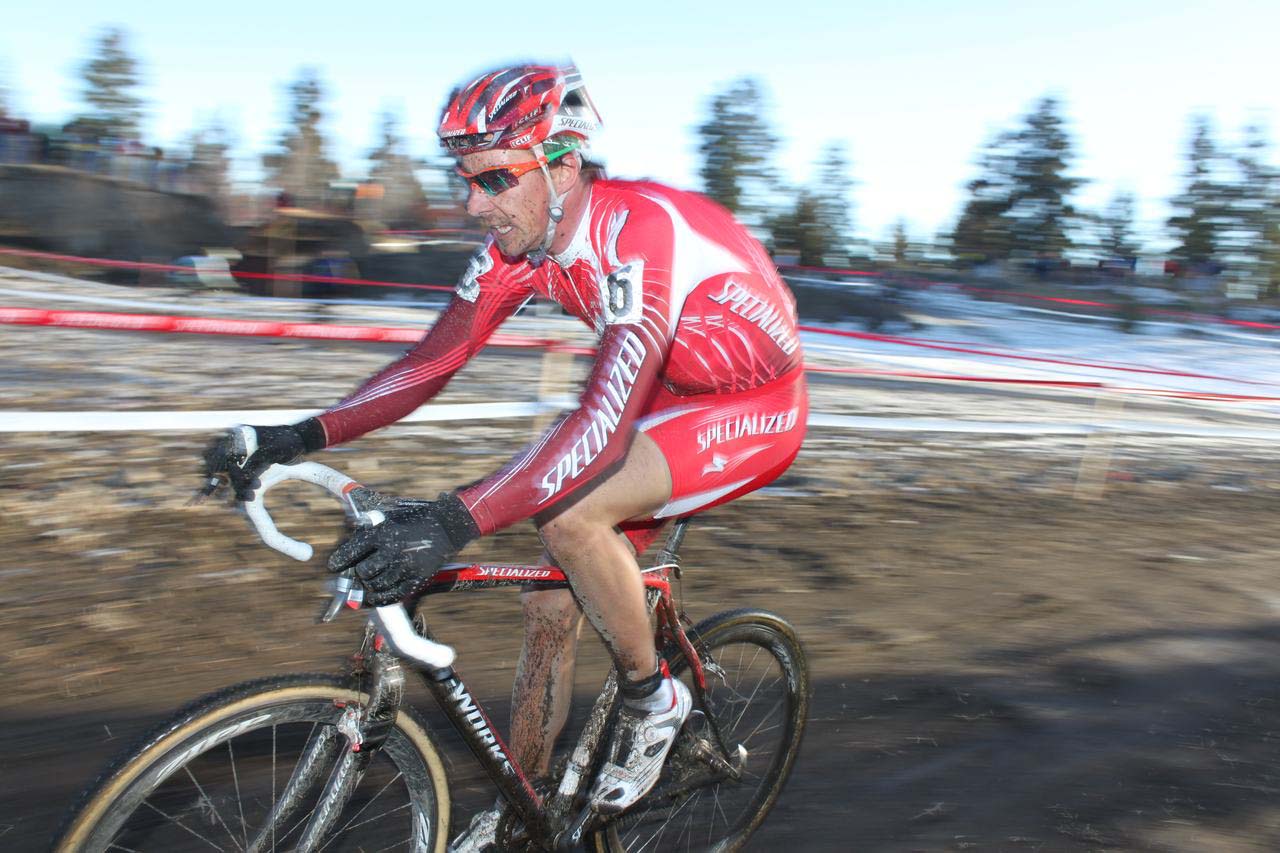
670,551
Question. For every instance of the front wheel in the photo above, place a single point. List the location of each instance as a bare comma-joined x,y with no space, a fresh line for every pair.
758,697
244,770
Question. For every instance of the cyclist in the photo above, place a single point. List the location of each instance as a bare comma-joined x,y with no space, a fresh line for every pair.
697,396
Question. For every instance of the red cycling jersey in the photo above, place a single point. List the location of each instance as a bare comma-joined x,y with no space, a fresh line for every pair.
684,300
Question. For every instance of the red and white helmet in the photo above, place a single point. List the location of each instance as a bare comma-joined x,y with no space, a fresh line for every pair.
517,107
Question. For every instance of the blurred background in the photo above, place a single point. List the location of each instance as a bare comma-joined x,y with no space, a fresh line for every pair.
1031,542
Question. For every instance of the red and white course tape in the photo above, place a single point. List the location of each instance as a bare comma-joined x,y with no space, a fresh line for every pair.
387,334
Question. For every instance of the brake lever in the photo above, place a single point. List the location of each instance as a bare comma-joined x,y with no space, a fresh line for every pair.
346,590
244,443
346,593
214,483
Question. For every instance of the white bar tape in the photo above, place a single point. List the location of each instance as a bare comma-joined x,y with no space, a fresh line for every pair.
334,482
406,642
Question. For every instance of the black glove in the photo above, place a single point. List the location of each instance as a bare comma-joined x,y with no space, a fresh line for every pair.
394,558
276,444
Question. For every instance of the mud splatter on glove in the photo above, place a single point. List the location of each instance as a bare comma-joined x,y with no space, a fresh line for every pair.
276,444
393,559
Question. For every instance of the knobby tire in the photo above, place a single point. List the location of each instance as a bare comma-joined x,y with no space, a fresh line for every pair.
200,779
763,703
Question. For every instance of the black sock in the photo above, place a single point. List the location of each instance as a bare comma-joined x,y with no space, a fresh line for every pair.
642,689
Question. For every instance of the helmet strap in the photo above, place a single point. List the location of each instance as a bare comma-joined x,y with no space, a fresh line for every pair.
555,204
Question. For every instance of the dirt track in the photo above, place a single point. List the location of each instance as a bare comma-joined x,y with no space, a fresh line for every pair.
999,665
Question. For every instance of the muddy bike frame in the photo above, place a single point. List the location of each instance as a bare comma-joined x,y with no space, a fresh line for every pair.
547,816
554,819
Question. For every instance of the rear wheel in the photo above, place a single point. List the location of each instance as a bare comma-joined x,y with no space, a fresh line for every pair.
758,698
244,770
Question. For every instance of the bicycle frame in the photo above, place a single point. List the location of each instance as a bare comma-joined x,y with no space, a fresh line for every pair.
545,817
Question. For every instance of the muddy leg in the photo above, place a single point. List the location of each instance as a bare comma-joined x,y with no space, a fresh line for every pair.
599,561
543,686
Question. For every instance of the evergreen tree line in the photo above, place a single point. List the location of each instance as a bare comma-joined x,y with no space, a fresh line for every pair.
1017,207
299,168
1227,216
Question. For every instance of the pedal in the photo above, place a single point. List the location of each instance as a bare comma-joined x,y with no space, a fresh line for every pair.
730,769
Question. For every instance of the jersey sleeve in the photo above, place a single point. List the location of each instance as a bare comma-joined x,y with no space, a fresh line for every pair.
489,293
636,338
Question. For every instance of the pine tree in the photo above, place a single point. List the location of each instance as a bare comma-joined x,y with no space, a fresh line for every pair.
981,233
1257,216
901,243
1020,200
302,170
833,204
1040,210
818,225
1203,210
401,200
1117,222
110,85
736,147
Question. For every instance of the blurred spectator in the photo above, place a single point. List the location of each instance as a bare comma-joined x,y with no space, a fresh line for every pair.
1118,267
15,140
155,167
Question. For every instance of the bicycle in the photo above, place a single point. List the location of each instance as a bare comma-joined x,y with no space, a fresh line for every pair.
314,762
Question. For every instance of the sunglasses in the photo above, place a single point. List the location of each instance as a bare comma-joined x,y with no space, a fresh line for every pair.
503,178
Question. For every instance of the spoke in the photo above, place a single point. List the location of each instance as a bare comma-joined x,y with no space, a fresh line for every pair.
272,810
334,837
235,776
749,667
122,847
275,798
688,823
372,819
307,766
712,820
408,841
761,728
213,807
182,826
662,827
645,845
747,700
764,719
687,832
305,819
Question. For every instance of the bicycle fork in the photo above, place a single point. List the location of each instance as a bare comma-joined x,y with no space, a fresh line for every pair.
364,727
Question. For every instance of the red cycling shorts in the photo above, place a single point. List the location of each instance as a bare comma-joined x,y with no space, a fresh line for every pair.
721,446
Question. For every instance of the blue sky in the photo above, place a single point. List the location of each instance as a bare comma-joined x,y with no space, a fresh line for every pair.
913,88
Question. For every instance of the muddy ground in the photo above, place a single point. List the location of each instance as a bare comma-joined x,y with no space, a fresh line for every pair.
1002,660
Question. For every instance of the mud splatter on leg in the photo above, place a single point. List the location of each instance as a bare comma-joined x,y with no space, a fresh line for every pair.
543,686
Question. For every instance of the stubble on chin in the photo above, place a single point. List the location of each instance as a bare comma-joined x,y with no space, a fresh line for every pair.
515,244
506,243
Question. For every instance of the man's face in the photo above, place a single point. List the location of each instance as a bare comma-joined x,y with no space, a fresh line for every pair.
517,217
